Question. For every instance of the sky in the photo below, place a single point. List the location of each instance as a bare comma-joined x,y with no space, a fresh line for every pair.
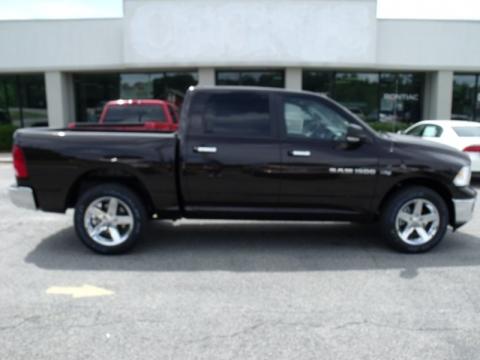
77,9
429,9
59,9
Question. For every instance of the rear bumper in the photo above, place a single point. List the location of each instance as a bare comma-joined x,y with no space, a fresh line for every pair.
475,159
22,196
463,210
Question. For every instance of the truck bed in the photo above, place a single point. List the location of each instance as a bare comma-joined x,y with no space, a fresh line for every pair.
59,160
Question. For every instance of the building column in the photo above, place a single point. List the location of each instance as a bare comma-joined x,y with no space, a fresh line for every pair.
293,78
438,95
206,76
60,99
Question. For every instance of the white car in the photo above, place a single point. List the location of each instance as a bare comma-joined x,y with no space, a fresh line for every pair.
462,135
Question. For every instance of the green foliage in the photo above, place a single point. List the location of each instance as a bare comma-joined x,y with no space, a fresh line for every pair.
6,133
388,127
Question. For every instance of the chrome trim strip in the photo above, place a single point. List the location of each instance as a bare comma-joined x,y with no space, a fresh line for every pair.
301,153
22,196
46,132
463,210
205,149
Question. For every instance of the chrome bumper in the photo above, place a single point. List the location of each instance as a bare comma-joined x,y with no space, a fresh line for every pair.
22,196
463,210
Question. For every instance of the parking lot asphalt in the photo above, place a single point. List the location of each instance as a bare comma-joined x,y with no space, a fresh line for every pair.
234,290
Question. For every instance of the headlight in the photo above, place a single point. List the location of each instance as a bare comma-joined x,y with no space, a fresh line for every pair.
463,177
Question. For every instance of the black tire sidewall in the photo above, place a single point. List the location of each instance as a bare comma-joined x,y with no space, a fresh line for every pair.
129,198
397,202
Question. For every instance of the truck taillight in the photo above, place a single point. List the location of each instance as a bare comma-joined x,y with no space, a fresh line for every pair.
472,148
19,163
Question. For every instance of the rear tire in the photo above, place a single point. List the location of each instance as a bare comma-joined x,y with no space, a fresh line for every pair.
414,219
109,218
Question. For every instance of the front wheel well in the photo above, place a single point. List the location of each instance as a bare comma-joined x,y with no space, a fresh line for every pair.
97,177
436,186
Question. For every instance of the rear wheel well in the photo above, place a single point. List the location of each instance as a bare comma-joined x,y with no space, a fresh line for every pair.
102,176
431,184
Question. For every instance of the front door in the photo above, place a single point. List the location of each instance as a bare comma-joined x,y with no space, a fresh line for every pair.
320,169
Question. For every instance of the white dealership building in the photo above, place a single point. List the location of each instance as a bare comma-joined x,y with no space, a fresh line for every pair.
377,58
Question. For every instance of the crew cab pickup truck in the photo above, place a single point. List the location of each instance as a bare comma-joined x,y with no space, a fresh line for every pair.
245,153
135,115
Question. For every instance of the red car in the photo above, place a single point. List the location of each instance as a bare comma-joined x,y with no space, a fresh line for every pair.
136,115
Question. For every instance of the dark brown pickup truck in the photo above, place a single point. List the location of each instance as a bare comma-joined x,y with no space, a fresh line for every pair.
245,153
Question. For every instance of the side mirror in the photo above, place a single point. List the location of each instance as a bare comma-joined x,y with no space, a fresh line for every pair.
355,135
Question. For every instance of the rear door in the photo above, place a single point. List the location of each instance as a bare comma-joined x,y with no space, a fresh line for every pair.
321,172
231,153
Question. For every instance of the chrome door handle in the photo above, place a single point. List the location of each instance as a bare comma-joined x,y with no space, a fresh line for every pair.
300,153
205,149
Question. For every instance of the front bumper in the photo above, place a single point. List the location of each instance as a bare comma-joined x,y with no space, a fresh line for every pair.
22,196
463,209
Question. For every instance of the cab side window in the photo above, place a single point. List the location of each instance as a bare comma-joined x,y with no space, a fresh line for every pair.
310,118
238,114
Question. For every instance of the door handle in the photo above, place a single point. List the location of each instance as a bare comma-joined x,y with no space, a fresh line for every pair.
300,153
205,149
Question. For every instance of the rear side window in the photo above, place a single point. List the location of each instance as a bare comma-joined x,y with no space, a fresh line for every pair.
467,131
238,114
132,114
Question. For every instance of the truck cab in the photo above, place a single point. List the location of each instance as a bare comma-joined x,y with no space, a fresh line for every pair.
283,153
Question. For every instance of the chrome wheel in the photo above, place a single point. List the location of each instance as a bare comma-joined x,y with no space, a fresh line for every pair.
108,221
417,222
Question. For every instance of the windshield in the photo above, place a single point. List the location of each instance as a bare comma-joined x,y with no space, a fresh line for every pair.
134,114
467,131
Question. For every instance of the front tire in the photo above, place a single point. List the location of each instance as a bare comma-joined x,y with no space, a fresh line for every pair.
414,219
109,218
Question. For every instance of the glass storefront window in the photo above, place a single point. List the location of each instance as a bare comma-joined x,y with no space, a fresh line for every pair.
228,78
9,101
466,98
23,100
477,103
358,92
318,81
268,78
373,96
92,91
400,97
172,85
135,86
